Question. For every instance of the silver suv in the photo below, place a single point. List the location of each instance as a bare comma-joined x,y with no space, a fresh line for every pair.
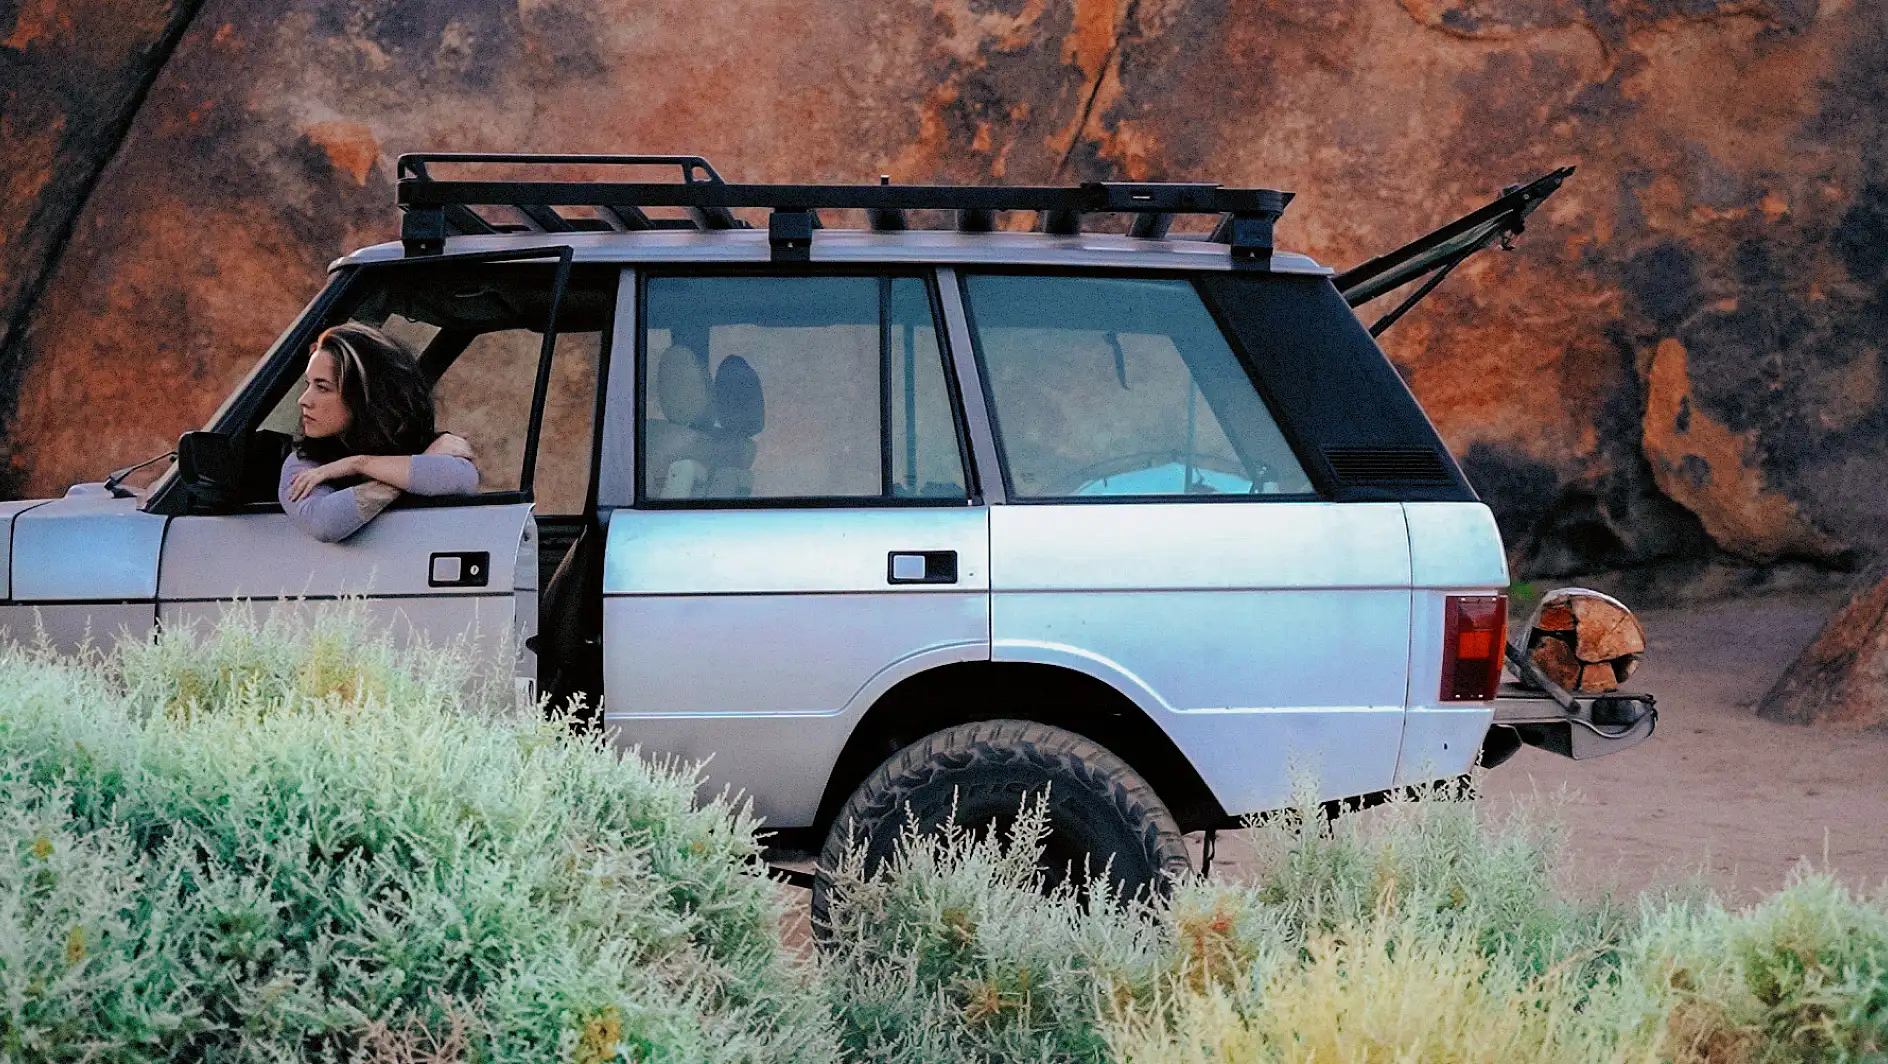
934,511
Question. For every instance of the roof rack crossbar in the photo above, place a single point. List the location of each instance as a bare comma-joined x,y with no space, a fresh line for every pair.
461,220
715,218
975,220
629,219
1150,226
546,219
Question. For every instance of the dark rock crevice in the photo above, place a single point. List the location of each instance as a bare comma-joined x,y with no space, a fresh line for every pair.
1102,72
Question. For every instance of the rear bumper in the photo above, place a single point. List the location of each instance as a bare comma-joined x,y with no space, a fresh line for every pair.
1593,726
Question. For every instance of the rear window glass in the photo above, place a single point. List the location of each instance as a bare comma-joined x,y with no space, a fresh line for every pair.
1120,386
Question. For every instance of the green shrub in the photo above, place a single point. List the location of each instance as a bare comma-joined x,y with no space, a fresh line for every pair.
289,841
1394,987
1421,932
952,952
1418,926
1800,976
1438,857
292,841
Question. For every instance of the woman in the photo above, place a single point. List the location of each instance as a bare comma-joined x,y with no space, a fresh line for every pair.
366,436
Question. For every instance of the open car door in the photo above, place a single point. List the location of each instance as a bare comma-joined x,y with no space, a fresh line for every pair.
1438,252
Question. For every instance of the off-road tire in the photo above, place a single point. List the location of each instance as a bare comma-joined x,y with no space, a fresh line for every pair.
1097,804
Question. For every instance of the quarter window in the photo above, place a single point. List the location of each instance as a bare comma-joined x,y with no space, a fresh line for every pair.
760,388
1117,386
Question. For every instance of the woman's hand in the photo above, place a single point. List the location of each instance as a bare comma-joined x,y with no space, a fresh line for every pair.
452,446
308,480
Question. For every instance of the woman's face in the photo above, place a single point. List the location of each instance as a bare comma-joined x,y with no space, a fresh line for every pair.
324,412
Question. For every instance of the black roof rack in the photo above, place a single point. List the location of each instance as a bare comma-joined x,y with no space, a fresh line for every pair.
435,209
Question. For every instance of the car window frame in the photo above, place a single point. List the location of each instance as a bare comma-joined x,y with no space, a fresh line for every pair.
1292,438
973,494
275,373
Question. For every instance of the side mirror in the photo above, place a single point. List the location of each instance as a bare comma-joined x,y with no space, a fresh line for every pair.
211,468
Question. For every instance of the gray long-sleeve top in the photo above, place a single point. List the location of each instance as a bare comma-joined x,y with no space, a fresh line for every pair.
332,515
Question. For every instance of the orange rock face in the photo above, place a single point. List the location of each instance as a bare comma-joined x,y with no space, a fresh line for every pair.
1683,354
70,79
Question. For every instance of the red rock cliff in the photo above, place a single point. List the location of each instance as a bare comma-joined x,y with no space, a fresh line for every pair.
1685,352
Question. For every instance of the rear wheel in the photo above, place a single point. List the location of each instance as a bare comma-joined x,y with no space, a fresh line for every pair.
1097,806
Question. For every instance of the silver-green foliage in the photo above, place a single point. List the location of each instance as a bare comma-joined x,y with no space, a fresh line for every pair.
290,842
953,953
284,841
1422,932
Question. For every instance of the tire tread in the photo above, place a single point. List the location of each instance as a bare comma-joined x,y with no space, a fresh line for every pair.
1059,753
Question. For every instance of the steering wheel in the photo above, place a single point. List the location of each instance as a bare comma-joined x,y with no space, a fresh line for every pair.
1115,465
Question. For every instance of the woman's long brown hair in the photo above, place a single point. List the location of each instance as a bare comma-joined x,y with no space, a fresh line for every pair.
390,402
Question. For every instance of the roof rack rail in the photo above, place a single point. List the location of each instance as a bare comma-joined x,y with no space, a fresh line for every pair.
435,209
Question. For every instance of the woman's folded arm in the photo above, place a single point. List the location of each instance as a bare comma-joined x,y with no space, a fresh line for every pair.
442,474
327,514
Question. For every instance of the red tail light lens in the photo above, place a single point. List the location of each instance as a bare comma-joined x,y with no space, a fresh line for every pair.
1475,629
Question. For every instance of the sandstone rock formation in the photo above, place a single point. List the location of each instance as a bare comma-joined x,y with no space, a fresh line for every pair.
1842,679
71,79
1684,354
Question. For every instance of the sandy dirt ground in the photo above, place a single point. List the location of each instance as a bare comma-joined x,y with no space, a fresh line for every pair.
1716,792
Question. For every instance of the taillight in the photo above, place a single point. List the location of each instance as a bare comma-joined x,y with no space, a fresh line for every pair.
1474,629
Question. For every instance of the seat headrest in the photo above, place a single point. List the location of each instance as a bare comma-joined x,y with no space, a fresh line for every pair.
683,389
738,403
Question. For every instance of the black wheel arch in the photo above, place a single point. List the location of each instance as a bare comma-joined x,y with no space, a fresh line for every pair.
966,692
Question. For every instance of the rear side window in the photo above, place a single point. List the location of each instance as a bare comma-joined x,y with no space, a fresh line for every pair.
796,388
1121,386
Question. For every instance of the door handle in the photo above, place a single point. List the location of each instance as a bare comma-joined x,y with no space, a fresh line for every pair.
472,568
922,567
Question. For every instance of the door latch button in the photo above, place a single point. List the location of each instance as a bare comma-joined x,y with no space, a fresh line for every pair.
460,569
923,567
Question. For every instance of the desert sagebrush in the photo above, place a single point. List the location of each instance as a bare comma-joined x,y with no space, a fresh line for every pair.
290,840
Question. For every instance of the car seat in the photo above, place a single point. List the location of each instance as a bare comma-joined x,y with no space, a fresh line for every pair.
681,445
740,414
262,465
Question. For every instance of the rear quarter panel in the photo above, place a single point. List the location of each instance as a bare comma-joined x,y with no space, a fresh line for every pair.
1268,640
1455,549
